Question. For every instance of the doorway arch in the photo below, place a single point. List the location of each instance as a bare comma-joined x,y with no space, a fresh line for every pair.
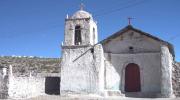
132,78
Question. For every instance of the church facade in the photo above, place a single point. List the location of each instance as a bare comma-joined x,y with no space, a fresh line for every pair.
130,62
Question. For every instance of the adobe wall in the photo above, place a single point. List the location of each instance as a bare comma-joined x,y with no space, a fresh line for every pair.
25,76
77,67
26,87
166,72
133,47
149,64
139,43
82,70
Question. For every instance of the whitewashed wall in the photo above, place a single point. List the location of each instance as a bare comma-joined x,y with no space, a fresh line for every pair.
149,64
78,73
87,26
166,72
140,43
146,54
82,70
25,87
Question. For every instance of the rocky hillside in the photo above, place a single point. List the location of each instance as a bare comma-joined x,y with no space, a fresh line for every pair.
176,79
26,65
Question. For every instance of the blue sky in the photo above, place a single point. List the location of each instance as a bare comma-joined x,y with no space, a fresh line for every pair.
36,27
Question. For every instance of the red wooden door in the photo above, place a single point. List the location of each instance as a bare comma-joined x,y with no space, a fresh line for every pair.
132,78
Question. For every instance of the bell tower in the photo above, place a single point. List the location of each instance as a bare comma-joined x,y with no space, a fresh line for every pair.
82,60
80,29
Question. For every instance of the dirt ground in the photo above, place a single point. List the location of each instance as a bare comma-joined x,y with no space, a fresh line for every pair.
54,97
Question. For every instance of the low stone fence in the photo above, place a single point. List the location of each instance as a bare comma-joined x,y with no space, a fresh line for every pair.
25,87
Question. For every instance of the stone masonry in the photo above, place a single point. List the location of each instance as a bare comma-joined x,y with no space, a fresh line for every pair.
176,79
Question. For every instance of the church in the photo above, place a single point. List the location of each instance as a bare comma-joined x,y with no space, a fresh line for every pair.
130,62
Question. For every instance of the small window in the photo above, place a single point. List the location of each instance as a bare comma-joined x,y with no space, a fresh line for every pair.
77,37
131,34
131,49
92,50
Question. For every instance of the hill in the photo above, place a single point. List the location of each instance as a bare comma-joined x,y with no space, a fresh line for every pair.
27,65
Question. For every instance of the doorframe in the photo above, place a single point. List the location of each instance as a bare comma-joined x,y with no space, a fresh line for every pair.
46,84
122,86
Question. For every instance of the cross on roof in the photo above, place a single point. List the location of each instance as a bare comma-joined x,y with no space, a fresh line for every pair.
129,20
81,6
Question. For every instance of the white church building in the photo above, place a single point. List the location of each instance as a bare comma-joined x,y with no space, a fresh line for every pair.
130,62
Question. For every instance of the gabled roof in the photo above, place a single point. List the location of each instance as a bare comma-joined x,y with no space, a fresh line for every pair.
129,27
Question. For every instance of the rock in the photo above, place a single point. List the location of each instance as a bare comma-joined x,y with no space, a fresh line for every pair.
176,79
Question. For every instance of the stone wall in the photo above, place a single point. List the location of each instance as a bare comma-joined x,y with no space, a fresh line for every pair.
176,79
3,84
25,76
26,87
